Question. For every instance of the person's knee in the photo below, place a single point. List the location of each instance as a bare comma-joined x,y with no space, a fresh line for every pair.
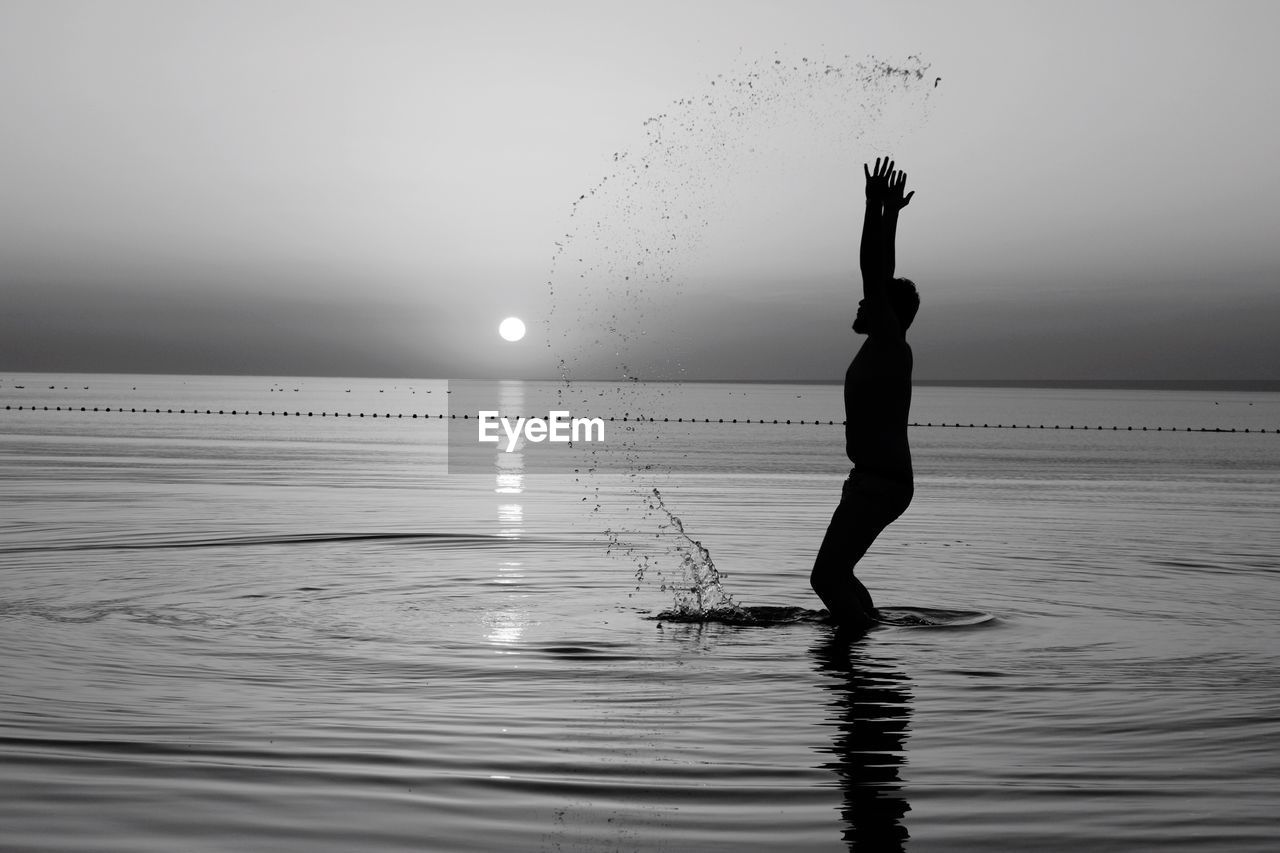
822,580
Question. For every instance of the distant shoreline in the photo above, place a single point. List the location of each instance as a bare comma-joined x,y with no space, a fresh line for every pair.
1083,384
1261,385
1115,384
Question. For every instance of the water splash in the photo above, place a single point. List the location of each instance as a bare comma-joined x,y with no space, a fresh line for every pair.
765,616
697,587
633,242
633,239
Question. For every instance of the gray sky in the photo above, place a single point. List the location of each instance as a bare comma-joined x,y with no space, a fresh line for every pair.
369,188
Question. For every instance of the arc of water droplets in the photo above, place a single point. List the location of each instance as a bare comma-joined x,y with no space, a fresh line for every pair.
619,263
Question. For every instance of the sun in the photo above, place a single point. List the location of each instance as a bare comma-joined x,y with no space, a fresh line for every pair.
511,329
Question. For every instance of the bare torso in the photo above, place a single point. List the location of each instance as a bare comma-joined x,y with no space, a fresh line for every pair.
877,406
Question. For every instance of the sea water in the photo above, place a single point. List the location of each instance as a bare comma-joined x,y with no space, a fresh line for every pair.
303,632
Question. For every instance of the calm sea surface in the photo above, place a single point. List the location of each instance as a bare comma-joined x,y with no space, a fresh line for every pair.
303,633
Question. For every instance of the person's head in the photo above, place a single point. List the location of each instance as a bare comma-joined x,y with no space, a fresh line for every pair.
904,299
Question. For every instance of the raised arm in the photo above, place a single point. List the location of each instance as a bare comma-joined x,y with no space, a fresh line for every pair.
871,256
894,202
877,255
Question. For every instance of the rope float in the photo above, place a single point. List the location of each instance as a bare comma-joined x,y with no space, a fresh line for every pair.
625,419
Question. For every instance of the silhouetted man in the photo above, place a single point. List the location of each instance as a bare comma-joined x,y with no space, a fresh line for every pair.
877,400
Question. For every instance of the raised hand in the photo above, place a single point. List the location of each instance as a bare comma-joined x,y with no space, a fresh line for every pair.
878,181
894,200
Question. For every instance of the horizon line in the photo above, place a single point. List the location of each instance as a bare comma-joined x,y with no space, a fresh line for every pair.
1117,384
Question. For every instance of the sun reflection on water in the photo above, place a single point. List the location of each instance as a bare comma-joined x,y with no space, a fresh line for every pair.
506,624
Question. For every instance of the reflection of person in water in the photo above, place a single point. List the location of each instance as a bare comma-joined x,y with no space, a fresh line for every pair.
870,708
877,400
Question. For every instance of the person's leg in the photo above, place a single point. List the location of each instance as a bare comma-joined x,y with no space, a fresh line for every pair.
846,540
866,508
864,597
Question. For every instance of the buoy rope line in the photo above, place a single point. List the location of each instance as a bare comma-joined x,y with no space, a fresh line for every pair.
623,419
